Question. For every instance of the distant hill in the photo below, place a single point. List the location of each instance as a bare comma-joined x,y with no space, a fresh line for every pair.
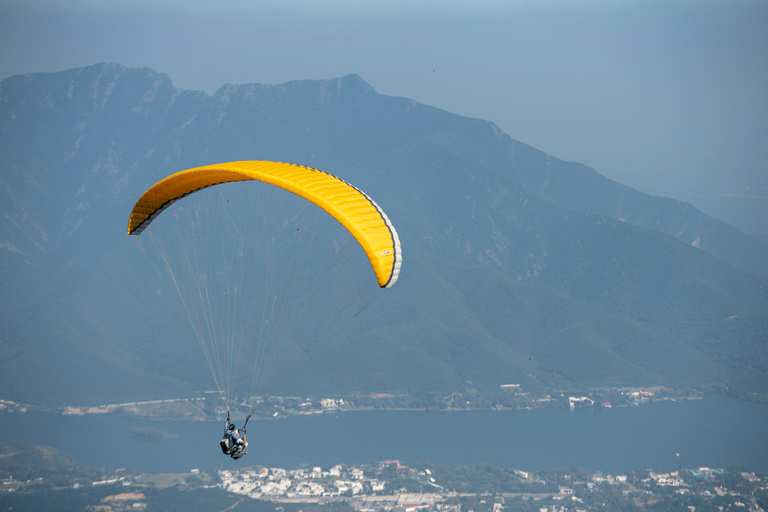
518,267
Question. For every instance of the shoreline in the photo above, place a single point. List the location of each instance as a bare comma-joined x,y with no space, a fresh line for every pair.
274,408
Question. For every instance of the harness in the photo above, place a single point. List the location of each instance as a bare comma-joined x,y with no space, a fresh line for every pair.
238,449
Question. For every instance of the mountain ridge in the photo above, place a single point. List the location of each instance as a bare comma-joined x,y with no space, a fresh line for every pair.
525,255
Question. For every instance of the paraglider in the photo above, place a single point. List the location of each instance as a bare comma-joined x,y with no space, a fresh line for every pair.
233,287
234,442
350,206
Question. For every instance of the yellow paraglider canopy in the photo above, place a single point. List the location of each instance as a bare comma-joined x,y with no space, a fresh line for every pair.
357,212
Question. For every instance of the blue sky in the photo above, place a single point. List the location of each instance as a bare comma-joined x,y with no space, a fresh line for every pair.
668,97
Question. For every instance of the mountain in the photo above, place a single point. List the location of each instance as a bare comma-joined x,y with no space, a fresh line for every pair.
518,267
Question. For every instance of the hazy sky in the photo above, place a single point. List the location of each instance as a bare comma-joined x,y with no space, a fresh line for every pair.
668,97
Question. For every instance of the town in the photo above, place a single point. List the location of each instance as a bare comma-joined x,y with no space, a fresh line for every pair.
366,488
379,486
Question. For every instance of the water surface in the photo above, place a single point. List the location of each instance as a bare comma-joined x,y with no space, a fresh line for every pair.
715,431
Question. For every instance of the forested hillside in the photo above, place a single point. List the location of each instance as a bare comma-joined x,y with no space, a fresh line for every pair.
518,267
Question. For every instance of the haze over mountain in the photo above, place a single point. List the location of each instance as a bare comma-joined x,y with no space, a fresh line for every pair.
519,267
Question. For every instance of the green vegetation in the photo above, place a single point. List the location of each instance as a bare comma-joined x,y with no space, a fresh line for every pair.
162,480
519,268
64,500
487,478
24,466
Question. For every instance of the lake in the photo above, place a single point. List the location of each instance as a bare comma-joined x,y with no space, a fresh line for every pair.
715,431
